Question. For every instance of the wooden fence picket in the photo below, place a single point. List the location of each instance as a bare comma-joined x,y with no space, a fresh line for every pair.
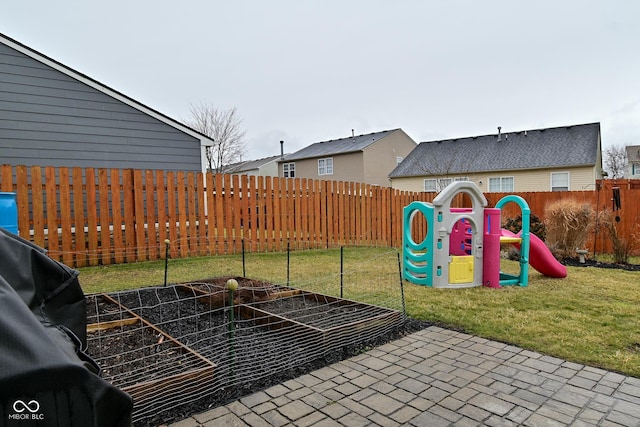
192,236
37,203
104,218
117,188
51,188
92,217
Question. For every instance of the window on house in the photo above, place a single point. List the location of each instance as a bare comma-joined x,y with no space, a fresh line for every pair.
502,184
635,169
560,181
289,170
443,182
430,185
438,185
325,166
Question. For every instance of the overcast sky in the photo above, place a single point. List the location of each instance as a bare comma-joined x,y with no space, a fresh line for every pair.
308,71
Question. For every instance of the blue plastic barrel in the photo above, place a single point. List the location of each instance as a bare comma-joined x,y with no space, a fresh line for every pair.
9,212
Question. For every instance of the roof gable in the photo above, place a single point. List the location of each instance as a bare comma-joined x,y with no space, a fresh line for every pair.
566,146
339,146
8,41
249,165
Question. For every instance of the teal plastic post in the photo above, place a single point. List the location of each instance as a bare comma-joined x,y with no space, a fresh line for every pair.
523,276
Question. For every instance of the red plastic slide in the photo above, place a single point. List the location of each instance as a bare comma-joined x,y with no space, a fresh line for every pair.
540,256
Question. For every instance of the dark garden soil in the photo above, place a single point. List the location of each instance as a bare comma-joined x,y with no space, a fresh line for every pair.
99,310
575,262
124,347
322,313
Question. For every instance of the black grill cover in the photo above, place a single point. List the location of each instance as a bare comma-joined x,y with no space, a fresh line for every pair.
45,378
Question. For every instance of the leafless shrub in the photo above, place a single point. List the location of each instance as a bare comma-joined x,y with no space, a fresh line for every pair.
623,247
568,223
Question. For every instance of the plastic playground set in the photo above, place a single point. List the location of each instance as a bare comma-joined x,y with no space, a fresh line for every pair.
461,247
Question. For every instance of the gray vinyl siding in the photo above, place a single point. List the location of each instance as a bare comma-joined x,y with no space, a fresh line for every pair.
48,118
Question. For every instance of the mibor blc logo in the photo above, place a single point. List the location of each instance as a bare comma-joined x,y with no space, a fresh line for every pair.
26,410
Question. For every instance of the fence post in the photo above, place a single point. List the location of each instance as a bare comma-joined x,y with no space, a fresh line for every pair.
341,270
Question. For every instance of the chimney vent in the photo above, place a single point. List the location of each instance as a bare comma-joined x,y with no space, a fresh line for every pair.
499,134
281,150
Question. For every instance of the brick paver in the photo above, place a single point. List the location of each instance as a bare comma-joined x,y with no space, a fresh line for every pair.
438,377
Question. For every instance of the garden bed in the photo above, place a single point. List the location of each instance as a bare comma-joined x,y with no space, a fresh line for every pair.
190,328
102,310
144,362
589,262
332,321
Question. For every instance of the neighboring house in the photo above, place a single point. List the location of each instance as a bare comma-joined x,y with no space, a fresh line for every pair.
633,159
53,115
363,158
260,167
566,158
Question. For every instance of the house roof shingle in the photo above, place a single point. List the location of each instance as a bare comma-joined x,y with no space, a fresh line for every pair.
565,146
338,146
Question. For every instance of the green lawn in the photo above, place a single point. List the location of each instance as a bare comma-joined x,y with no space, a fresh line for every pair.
590,317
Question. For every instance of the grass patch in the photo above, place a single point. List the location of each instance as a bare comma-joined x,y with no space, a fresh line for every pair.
590,317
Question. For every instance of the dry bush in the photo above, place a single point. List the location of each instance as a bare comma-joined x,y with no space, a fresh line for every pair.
623,247
569,224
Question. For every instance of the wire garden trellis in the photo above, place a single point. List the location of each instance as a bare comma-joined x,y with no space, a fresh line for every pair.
193,344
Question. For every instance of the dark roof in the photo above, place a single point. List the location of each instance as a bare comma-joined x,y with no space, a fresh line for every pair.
565,146
249,164
339,146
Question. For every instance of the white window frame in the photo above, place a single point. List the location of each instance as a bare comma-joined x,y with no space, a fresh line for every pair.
443,182
551,183
432,185
502,181
635,169
325,166
289,170
399,159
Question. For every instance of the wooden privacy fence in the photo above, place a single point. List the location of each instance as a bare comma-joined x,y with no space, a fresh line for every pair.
86,216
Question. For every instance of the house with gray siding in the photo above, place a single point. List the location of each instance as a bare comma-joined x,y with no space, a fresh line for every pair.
52,115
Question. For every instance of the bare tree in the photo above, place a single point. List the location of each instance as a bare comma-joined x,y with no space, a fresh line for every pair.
224,127
615,161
